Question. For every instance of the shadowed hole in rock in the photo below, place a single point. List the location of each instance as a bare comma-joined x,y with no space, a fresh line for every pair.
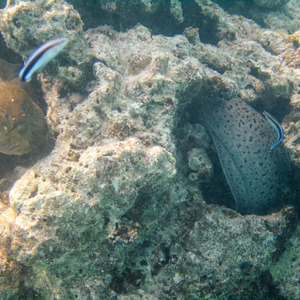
129,280
215,190
7,54
161,21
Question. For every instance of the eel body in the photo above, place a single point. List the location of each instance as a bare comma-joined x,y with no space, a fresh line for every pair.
243,138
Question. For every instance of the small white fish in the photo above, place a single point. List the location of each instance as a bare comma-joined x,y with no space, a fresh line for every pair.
41,56
277,127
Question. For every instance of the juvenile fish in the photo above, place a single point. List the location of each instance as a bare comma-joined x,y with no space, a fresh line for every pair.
41,56
277,127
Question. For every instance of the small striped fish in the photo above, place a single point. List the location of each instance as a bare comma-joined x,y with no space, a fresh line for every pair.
277,127
41,56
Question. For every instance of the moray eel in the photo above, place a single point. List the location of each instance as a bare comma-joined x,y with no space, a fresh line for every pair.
23,126
243,138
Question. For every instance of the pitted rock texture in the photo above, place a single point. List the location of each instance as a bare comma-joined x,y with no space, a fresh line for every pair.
247,250
287,269
111,213
80,201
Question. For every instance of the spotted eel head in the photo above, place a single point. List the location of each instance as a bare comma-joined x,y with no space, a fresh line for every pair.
22,123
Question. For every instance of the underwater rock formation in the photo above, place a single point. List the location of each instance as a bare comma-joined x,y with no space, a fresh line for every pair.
111,212
199,162
245,252
286,270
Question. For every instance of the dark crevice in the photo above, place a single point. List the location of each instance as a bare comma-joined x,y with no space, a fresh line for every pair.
251,10
216,190
128,281
195,17
8,54
279,108
123,15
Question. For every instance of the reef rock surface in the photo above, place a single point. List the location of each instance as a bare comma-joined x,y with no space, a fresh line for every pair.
119,209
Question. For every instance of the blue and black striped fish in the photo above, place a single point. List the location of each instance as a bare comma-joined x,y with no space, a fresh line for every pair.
41,56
